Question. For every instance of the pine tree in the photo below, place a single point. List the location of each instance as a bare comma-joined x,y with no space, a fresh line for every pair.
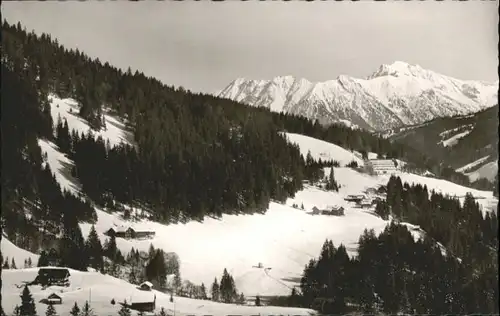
30,263
87,310
111,249
124,310
27,307
13,264
203,291
241,299
51,310
75,310
6,264
257,301
215,291
94,250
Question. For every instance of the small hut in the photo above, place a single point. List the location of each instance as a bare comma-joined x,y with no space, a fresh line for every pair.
145,286
52,299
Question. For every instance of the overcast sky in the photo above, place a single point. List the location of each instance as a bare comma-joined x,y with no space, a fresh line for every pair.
203,46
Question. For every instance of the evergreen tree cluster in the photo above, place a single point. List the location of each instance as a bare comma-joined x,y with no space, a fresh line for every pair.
394,274
75,252
461,228
331,183
225,291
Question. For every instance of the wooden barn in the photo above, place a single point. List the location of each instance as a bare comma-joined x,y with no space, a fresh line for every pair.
52,299
142,305
52,276
129,233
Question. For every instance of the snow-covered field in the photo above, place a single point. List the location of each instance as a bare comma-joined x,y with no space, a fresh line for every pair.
283,240
323,150
100,289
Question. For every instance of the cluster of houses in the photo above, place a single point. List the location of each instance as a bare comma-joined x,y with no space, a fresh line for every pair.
361,200
329,210
129,233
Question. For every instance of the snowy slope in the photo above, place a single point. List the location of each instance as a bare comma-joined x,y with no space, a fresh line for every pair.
394,95
60,166
322,150
115,130
101,289
487,171
284,239
9,250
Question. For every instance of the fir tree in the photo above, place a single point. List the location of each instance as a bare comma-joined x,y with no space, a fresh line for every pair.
6,264
75,310
241,299
87,310
203,291
27,307
51,310
94,250
215,292
13,264
257,300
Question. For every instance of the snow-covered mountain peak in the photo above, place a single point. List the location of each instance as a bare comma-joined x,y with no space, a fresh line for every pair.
400,68
396,94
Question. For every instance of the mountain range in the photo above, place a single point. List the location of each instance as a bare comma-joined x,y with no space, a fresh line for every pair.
394,95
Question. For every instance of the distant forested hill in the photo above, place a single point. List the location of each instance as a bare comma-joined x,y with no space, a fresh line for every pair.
459,141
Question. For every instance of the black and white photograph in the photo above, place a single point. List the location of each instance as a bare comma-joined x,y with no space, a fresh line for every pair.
249,158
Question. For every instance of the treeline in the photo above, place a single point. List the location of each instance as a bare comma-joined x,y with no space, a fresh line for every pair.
394,274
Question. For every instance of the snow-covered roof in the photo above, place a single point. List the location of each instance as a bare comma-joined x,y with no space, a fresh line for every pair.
147,283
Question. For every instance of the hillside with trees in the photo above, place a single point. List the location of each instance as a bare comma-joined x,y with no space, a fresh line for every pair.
394,273
476,138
